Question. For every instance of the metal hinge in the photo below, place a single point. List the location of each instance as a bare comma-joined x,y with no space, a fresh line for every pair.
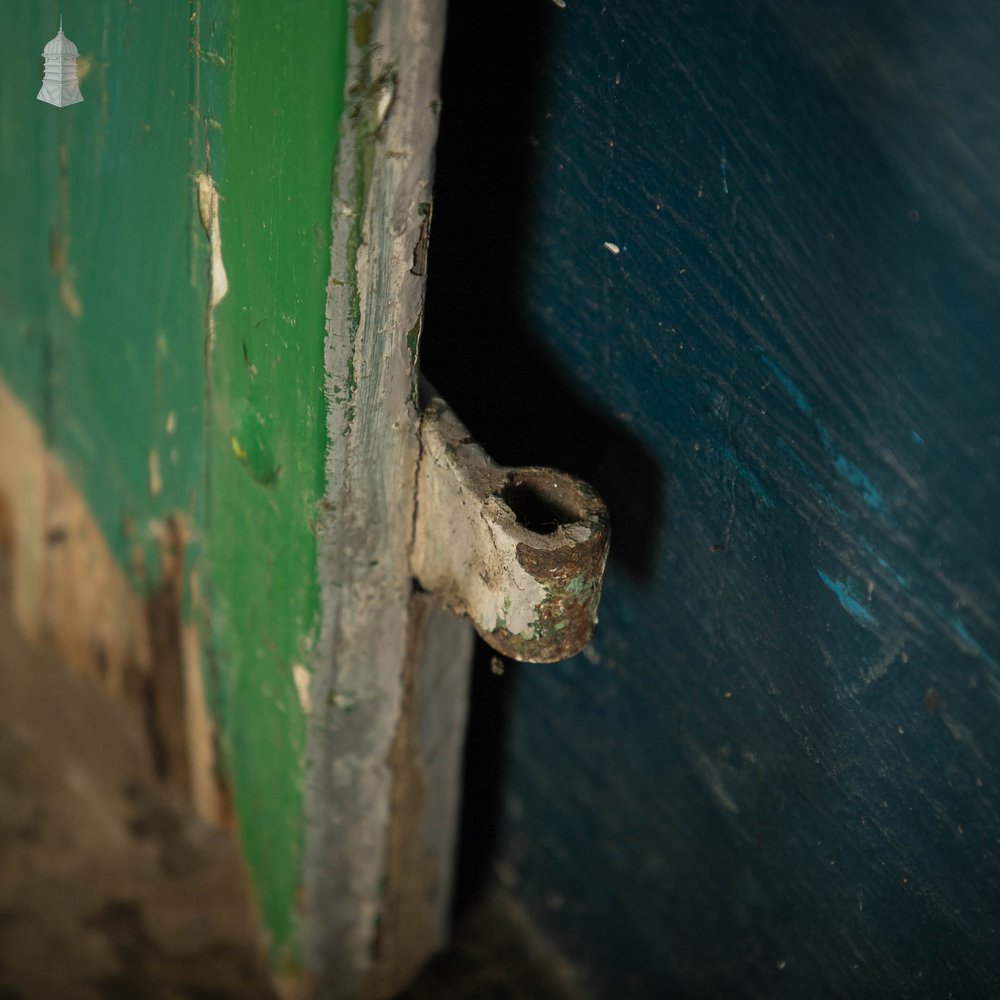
520,551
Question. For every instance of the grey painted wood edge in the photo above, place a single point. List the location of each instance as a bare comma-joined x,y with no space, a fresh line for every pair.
382,191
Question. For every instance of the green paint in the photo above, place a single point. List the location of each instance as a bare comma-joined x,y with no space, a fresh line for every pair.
253,432
103,323
502,618
280,106
101,286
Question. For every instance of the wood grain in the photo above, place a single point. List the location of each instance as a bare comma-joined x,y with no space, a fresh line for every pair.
771,775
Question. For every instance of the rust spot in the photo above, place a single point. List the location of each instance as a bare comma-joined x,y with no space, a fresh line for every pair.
532,544
571,572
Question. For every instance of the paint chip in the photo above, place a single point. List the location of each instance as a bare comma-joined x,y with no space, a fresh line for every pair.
613,248
69,298
384,96
208,209
845,592
302,679
155,480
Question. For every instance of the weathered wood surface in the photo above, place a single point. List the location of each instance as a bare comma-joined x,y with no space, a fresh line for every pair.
208,473
178,387
100,376
773,774
270,90
425,760
382,195
111,885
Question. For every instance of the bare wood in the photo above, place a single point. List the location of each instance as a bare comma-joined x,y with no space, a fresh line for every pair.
111,884
68,593
69,597
425,760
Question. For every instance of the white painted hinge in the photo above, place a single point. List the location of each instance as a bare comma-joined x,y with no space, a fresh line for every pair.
520,551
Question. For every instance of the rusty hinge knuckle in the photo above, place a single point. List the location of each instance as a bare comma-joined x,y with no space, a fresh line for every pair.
521,551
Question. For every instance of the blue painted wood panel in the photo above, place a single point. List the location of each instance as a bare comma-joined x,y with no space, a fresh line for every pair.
736,263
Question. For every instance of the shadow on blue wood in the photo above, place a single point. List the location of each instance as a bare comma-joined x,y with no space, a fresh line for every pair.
774,772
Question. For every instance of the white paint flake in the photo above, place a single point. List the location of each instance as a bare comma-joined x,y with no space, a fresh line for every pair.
155,479
208,209
302,679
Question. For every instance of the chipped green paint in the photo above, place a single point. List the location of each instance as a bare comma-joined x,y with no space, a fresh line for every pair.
278,91
363,110
102,288
251,443
104,327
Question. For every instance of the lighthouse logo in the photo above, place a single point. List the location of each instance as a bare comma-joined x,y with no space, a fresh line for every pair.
60,85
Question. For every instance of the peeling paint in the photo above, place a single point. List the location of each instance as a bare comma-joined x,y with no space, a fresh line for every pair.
841,464
70,597
749,477
849,601
520,551
155,479
857,478
69,298
382,177
798,397
303,680
970,643
263,332
208,210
